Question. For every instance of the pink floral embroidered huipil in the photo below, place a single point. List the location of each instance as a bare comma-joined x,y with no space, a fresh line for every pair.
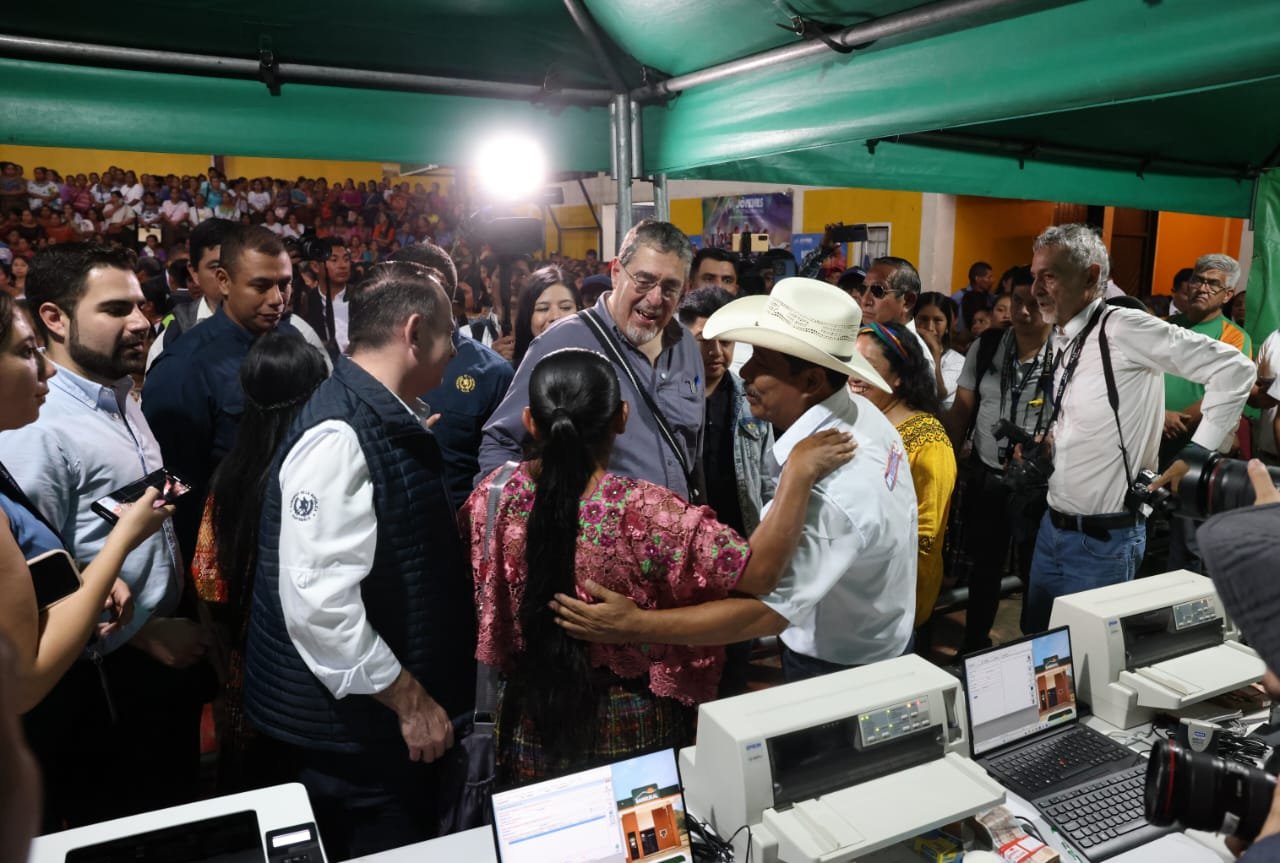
635,538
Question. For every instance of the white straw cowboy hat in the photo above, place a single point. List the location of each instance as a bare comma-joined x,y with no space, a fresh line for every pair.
803,318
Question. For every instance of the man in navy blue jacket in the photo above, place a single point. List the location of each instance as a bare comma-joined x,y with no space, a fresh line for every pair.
192,397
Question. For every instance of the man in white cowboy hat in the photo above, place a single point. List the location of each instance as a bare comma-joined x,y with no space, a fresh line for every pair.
848,596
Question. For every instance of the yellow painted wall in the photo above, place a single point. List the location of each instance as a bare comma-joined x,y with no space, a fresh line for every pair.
573,243
84,161
291,169
1181,238
996,230
686,214
900,209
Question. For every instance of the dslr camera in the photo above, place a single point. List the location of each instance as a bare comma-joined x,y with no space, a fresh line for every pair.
1215,483
1036,466
1202,791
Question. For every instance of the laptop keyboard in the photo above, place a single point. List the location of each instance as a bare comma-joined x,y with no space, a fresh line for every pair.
1104,817
1060,757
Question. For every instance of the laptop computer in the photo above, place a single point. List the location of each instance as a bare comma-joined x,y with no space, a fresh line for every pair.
630,811
1025,729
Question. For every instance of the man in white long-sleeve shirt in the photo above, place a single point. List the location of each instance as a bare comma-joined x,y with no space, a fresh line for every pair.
362,631
1094,534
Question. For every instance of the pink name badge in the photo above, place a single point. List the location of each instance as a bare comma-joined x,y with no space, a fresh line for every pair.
891,469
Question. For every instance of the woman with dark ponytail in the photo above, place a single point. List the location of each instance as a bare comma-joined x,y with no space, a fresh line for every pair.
562,519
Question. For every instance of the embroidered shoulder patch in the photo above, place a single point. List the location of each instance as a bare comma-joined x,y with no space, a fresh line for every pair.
303,506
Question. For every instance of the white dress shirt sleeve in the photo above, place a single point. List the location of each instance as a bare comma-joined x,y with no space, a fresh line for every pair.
829,541
1226,374
328,537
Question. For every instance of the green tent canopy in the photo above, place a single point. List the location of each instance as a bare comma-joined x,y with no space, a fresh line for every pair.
1159,105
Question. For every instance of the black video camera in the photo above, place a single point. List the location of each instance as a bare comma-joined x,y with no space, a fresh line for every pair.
313,248
1033,471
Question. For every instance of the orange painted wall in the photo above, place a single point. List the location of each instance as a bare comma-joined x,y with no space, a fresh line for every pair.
996,230
66,160
1181,238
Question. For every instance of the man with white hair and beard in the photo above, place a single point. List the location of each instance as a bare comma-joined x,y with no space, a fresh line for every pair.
1107,418
657,360
127,708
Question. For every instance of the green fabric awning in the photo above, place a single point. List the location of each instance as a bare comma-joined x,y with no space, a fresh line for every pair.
1159,105
1178,80
79,106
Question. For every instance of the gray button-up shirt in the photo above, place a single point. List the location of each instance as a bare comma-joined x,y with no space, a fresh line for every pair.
89,441
674,381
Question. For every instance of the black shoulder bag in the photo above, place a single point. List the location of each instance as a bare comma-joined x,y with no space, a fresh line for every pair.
693,475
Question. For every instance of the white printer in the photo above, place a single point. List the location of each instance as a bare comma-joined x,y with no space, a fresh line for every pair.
833,768
1155,644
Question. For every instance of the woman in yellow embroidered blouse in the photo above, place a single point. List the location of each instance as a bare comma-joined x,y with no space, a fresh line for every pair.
896,354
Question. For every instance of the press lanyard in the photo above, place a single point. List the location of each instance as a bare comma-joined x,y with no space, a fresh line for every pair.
1011,384
1076,349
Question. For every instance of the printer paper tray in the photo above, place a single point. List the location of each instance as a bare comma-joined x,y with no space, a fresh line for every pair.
855,821
1197,676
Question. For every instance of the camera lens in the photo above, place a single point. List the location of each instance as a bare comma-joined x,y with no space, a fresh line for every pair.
1215,483
1205,792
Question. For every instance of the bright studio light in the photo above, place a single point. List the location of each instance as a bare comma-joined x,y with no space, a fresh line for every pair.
511,167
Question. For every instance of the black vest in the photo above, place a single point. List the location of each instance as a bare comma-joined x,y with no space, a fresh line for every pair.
418,595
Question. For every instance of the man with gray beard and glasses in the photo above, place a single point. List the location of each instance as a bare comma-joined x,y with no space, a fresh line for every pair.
662,378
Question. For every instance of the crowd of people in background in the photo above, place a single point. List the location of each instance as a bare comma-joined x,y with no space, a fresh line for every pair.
336,371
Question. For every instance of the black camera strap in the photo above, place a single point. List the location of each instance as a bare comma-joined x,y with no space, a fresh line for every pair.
693,478
1075,349
1113,397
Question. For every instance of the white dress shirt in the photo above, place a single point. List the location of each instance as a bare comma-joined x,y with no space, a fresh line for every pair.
952,366
849,592
341,320
1089,472
1264,430
325,557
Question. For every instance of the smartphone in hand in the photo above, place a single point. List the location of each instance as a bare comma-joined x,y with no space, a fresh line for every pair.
171,488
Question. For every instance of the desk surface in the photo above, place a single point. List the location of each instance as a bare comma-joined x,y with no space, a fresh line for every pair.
1193,846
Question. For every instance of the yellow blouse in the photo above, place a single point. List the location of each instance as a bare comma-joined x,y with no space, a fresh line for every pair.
933,472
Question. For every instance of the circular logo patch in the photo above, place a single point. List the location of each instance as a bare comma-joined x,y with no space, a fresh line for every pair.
304,505
465,383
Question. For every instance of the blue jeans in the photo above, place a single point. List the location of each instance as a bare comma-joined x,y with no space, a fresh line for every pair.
1069,561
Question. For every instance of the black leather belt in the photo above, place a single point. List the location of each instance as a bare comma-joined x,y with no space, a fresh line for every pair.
1097,526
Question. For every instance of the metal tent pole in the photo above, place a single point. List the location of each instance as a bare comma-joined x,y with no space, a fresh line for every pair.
661,204
57,51
620,122
930,15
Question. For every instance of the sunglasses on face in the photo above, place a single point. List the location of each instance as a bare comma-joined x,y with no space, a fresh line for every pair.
877,289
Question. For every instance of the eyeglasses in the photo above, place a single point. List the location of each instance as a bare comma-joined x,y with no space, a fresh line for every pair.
1214,286
671,288
877,290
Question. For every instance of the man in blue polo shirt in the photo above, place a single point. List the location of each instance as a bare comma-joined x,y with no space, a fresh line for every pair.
192,397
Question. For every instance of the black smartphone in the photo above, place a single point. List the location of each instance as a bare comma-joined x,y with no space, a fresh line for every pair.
171,488
54,575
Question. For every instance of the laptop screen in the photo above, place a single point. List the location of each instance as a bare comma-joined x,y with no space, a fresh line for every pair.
1019,689
631,811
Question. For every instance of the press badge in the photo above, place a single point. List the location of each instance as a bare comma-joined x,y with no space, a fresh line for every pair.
891,469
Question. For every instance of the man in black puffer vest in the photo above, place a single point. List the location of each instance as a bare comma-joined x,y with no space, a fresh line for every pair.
362,632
